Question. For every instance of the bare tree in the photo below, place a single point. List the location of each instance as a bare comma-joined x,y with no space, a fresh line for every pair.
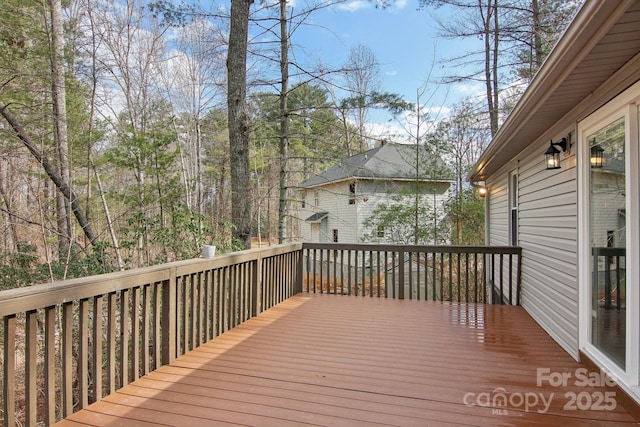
87,47
131,57
284,121
463,137
193,81
516,36
361,73
52,172
239,122
58,90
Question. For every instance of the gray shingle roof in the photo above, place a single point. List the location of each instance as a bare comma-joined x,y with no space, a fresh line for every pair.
389,162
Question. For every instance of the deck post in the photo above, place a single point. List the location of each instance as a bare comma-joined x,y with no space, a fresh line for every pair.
256,285
519,277
401,274
299,259
169,317
9,369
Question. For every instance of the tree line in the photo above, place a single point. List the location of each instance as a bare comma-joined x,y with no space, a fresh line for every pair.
132,133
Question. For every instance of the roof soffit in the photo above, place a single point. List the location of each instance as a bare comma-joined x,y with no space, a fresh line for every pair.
582,60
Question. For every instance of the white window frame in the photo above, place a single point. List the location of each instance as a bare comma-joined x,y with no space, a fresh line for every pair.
513,196
352,192
625,105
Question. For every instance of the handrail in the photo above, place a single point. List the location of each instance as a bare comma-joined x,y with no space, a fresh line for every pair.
476,274
83,338
18,300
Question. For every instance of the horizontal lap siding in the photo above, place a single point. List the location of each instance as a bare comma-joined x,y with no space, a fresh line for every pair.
548,237
342,216
498,211
334,199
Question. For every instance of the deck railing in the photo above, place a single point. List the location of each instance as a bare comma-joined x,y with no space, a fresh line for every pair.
440,273
609,272
68,344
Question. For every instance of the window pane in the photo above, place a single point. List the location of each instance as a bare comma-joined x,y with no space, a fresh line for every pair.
607,223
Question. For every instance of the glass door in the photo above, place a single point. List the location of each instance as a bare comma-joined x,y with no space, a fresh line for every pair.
608,239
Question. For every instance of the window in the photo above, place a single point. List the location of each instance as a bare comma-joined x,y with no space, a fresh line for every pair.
352,193
303,195
334,235
316,197
513,209
380,231
609,192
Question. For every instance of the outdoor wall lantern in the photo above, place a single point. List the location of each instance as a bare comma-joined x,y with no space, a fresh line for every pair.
552,155
597,153
481,188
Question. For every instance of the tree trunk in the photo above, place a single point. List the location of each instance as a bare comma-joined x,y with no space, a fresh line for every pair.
495,114
537,34
199,174
239,123
58,89
112,232
52,173
284,122
487,67
491,63
11,246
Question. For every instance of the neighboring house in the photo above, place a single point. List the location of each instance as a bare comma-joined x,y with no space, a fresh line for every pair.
579,224
337,203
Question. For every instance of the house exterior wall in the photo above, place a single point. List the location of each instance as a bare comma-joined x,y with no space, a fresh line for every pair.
498,209
333,199
376,193
348,218
548,222
547,233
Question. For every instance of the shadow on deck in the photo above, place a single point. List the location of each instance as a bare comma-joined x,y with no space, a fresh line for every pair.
343,360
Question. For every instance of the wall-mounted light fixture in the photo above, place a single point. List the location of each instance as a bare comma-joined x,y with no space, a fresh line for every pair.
597,153
481,188
552,155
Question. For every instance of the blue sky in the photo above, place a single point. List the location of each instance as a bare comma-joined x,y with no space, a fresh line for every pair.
403,38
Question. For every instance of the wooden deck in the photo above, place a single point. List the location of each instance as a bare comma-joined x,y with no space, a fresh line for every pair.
340,360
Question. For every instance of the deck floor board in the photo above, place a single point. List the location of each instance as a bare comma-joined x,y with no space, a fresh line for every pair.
339,360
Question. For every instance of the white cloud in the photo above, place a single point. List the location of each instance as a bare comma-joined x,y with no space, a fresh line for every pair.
470,90
403,128
389,131
355,5
399,4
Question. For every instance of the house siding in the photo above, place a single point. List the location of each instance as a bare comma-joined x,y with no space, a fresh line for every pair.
547,233
548,221
379,193
498,200
334,198
571,96
347,218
